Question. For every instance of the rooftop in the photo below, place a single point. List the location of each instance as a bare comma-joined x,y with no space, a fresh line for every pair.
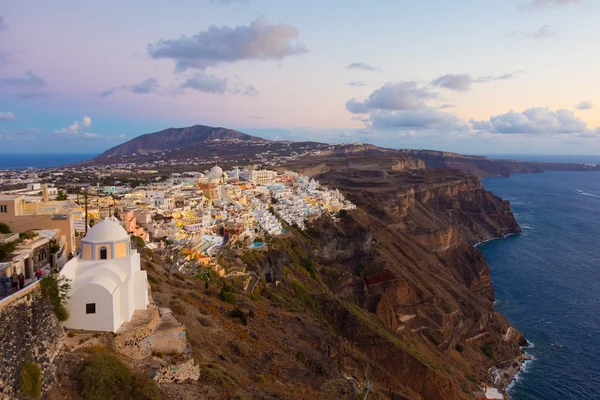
105,231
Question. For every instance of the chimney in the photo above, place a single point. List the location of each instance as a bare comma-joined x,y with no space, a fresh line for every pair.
45,193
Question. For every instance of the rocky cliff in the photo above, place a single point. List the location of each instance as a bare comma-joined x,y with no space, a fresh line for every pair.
485,166
399,279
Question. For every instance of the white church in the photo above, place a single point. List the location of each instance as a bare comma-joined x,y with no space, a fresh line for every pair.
107,284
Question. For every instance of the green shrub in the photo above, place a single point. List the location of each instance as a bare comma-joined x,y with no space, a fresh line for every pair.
152,279
30,382
471,377
55,290
61,196
4,228
28,235
488,350
309,265
237,313
54,246
138,242
227,295
7,249
105,377
61,312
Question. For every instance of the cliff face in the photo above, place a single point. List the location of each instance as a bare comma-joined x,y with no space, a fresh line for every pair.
485,166
406,286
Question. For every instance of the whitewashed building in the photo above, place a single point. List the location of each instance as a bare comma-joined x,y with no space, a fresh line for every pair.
107,284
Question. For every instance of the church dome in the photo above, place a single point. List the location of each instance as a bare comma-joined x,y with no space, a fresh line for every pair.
215,173
106,231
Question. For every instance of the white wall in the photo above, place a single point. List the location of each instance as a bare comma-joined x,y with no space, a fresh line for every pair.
102,320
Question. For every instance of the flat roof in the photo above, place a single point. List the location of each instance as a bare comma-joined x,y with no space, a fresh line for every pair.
11,196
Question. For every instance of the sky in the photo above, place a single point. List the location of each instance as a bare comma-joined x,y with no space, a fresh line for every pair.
470,76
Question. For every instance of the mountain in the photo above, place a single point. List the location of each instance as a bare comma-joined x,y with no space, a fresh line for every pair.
177,138
210,144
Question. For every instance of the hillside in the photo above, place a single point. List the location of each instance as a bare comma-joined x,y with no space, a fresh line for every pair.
392,296
204,146
175,139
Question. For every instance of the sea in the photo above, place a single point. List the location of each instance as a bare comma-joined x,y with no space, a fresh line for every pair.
547,280
41,160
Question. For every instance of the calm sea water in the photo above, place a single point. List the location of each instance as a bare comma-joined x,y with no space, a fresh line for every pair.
547,280
18,161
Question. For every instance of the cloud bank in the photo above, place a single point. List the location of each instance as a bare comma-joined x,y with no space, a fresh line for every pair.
403,106
538,120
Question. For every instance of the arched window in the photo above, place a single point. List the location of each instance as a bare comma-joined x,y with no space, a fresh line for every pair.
103,253
42,255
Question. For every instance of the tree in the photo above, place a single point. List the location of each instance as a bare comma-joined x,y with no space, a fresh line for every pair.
137,242
60,196
92,222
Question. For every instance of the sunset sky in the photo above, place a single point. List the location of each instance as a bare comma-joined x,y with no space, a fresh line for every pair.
471,76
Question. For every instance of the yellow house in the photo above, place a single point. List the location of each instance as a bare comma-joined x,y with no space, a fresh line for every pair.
21,216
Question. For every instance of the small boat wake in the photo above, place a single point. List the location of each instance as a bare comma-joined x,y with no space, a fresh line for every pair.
588,194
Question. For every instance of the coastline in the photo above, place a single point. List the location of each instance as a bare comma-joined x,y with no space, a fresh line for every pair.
505,374
496,238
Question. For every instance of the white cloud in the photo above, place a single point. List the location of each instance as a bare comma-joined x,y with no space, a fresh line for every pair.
215,46
463,82
538,120
543,32
91,136
363,66
5,116
393,96
457,82
73,129
584,105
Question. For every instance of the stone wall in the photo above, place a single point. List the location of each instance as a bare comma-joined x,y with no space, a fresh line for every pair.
178,373
170,335
28,327
137,343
